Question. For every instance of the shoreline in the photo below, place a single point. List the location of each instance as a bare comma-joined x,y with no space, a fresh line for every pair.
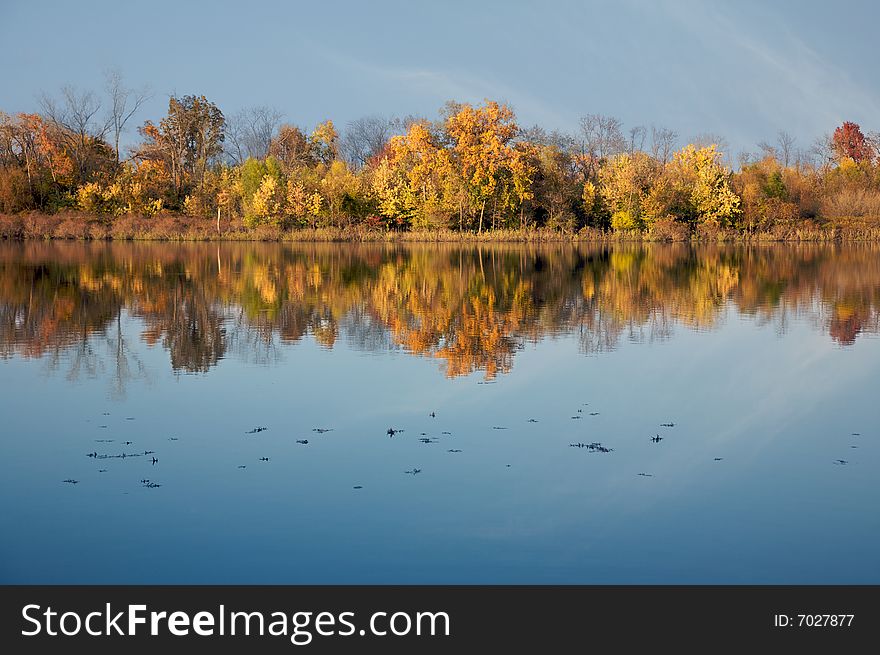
174,228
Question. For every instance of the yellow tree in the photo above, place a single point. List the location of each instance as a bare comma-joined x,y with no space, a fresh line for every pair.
325,142
413,181
267,205
520,188
625,183
394,196
482,149
341,190
699,174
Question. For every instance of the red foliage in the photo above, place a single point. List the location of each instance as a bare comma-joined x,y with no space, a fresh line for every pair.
848,141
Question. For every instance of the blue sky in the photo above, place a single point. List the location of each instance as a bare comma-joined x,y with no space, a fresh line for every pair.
743,70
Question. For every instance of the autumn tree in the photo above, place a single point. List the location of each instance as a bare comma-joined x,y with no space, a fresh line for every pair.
188,140
253,179
415,182
482,146
291,147
37,166
324,142
848,141
702,187
77,123
625,184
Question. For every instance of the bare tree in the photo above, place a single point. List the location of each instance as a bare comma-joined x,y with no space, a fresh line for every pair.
250,131
822,151
235,137
745,158
124,103
662,143
768,150
601,136
637,136
873,140
707,139
76,118
365,137
537,135
786,144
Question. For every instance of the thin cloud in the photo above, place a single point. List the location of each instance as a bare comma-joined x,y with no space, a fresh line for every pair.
443,85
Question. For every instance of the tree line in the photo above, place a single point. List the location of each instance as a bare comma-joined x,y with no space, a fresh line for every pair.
473,168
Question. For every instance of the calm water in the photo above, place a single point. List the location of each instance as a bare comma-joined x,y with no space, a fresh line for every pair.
766,360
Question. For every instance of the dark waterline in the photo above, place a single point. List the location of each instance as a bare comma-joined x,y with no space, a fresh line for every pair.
445,414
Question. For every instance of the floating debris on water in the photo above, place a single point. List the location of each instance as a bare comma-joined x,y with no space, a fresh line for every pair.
257,429
322,430
646,475
97,455
413,471
498,427
302,441
533,420
454,450
594,447
667,425
357,486
152,485
71,481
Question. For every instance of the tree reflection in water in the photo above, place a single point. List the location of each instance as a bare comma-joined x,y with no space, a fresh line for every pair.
472,307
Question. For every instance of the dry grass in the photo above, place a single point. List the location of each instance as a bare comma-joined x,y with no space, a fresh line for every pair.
79,226
852,203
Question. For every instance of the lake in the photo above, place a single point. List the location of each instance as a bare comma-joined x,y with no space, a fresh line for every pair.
511,413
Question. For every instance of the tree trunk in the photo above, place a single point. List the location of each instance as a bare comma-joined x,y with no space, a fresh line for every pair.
482,209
